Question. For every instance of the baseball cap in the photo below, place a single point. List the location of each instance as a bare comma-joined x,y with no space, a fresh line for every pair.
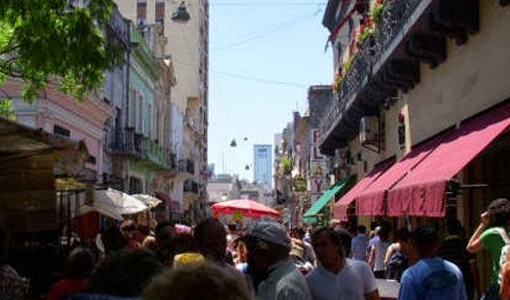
271,232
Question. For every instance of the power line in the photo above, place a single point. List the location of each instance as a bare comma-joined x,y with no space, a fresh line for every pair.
271,31
266,4
246,77
240,76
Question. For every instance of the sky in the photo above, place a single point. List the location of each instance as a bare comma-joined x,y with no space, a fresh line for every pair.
263,56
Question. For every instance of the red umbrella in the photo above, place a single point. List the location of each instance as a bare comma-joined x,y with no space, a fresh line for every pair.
249,208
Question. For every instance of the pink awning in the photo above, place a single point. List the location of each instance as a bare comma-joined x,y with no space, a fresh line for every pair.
173,205
422,192
371,201
339,207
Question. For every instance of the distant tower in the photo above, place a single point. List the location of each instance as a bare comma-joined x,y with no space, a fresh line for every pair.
263,165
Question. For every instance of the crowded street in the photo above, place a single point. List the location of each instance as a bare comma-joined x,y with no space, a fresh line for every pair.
254,150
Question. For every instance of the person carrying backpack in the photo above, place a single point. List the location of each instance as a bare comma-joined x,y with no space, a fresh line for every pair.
490,236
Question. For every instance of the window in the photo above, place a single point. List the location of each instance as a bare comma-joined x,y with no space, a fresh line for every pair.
139,124
135,185
160,13
132,108
91,159
141,11
149,121
59,130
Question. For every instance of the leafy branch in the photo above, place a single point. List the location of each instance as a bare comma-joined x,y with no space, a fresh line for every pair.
41,40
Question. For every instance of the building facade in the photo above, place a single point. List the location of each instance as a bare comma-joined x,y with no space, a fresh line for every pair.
415,97
263,164
185,25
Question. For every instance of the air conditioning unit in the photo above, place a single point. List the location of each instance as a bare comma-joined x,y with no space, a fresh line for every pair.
369,136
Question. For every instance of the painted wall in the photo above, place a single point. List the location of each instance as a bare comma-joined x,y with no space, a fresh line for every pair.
84,120
473,78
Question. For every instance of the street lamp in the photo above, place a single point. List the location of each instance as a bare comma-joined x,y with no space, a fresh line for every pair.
181,14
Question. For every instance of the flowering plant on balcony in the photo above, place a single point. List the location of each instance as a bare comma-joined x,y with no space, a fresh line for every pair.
337,81
377,10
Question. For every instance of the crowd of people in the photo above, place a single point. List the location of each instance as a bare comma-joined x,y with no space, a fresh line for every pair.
267,261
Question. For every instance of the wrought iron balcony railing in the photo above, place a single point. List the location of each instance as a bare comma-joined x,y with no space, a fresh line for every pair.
125,142
397,19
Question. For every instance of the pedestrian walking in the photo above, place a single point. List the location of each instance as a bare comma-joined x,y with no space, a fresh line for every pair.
181,283
453,249
377,252
431,278
396,261
121,276
79,266
359,244
275,276
339,277
490,236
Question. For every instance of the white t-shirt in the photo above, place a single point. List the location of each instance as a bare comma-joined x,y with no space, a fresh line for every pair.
353,281
381,248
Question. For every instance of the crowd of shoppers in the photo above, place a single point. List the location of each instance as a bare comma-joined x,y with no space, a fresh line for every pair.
267,261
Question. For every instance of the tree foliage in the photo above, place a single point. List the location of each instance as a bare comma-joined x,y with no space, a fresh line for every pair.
56,42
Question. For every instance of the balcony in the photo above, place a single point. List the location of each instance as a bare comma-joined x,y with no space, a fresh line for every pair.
154,155
409,32
125,142
186,166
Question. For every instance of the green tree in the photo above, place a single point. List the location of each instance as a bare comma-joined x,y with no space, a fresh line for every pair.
55,42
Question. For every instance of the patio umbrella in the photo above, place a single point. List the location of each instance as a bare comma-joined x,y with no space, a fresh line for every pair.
149,200
114,204
248,208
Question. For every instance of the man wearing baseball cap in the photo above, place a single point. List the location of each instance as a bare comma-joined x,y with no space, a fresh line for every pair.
274,275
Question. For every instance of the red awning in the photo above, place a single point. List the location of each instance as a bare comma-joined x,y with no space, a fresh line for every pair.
339,207
371,201
422,192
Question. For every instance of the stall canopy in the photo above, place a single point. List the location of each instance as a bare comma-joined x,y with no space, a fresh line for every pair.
246,207
371,201
149,200
422,192
114,204
309,216
340,206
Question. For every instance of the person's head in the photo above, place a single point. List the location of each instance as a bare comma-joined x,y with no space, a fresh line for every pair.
384,233
113,239
267,243
128,229
185,242
298,249
242,252
298,233
377,230
499,212
362,229
211,237
453,226
80,263
426,241
125,273
181,283
330,245
165,232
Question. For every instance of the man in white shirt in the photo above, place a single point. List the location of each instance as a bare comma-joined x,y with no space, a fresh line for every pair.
339,277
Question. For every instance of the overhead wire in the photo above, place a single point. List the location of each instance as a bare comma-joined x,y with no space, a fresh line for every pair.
269,32
266,4
246,77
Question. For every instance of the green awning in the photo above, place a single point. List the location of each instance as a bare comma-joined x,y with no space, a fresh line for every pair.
324,199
